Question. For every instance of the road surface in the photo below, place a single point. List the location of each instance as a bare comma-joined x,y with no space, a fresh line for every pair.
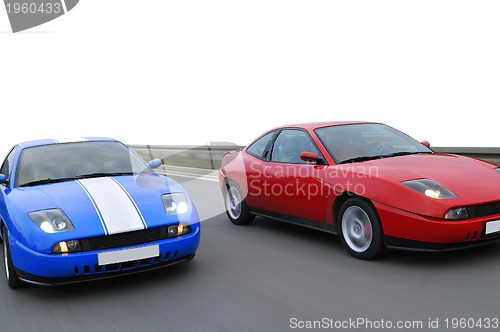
269,276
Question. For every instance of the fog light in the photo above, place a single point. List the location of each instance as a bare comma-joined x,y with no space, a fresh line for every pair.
183,229
72,245
457,214
172,230
178,229
66,247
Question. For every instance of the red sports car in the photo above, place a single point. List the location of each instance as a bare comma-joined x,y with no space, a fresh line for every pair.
371,184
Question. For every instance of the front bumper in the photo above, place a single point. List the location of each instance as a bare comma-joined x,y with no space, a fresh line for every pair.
403,229
52,269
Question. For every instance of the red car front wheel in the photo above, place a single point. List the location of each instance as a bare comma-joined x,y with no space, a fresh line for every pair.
360,229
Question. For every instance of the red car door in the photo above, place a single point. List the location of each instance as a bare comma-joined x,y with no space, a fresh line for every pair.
290,186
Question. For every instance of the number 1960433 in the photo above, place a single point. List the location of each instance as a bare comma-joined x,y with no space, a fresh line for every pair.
34,8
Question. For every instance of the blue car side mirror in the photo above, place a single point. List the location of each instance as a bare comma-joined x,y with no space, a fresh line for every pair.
3,178
155,163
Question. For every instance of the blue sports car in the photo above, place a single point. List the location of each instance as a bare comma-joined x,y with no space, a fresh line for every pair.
81,209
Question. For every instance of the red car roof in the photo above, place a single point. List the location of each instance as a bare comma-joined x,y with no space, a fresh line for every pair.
312,125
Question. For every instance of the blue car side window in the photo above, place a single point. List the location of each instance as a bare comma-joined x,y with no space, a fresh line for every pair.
8,163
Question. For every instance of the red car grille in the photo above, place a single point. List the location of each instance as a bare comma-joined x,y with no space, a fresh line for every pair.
483,210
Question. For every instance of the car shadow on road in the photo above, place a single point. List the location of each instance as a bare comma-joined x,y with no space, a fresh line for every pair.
482,255
324,247
146,281
477,256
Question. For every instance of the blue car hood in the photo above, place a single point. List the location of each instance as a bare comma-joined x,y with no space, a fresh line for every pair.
104,205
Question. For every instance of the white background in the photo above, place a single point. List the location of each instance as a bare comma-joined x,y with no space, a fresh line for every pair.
192,72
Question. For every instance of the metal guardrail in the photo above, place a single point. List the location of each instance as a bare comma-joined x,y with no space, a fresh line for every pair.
489,154
210,156
205,156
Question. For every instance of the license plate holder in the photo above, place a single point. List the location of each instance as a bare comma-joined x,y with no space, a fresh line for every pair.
127,255
492,226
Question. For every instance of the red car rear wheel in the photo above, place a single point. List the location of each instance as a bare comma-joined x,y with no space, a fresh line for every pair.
236,207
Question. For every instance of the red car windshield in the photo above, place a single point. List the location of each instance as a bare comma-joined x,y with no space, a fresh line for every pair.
365,141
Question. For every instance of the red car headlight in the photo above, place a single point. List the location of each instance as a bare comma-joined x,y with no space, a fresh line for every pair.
429,188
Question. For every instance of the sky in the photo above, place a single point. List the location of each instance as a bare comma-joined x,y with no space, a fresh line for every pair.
193,72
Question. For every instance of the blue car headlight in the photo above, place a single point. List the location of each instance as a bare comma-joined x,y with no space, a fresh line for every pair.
429,188
175,203
51,220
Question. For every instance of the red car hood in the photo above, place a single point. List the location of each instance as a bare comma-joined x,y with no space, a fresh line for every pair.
472,180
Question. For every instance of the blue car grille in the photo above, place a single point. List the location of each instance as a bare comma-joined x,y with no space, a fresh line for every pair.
124,239
130,265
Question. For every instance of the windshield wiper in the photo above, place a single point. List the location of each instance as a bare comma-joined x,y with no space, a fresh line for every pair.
101,174
365,158
45,181
359,159
403,153
83,176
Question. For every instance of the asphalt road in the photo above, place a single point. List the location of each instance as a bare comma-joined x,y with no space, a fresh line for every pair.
270,276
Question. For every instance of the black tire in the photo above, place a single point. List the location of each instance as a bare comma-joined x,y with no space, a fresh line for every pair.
235,205
10,272
360,229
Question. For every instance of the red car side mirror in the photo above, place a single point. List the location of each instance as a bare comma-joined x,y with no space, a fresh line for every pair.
309,157
426,144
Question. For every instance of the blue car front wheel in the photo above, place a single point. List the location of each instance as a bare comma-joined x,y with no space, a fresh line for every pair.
10,272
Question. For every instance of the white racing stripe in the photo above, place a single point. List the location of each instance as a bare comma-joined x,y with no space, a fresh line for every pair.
115,207
95,207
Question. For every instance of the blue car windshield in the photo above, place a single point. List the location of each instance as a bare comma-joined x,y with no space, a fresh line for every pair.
365,141
66,161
